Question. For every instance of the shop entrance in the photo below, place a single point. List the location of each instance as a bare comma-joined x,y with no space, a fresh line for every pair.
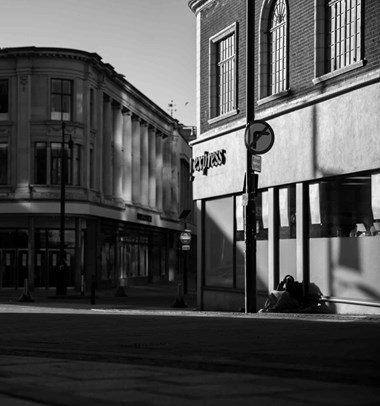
14,267
134,259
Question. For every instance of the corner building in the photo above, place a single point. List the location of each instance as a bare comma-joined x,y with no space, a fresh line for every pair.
126,173
311,69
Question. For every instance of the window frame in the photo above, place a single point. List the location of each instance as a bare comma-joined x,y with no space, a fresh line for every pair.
265,95
5,114
214,94
276,86
62,96
52,163
4,179
322,71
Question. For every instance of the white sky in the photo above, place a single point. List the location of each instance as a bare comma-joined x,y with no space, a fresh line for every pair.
150,42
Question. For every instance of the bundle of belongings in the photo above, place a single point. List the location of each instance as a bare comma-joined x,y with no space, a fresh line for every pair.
288,297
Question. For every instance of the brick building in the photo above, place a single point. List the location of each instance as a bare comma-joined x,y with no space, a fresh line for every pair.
126,173
311,70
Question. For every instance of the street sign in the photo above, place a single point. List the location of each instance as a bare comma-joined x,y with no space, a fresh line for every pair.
256,163
185,237
185,247
259,137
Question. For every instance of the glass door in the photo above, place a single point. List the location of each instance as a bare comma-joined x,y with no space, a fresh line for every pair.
22,268
8,268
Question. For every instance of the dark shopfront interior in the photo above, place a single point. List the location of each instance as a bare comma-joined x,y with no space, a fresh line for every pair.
112,252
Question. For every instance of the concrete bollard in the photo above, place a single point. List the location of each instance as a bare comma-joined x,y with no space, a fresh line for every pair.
82,285
26,296
93,287
179,302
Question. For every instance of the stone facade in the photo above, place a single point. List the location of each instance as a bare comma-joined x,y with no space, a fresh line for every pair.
125,166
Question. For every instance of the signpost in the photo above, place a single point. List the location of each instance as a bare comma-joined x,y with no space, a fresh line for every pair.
259,139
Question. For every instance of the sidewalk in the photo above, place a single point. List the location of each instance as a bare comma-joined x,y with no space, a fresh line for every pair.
153,296
162,298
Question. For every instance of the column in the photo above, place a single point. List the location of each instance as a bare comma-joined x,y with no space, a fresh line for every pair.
159,167
166,176
22,154
152,167
174,175
144,164
117,150
98,150
107,146
127,155
136,160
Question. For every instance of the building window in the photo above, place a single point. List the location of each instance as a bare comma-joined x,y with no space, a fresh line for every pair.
40,157
278,48
92,180
3,163
223,73
47,164
344,18
338,37
92,108
4,97
61,99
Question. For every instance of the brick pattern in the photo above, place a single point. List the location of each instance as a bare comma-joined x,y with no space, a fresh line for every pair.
217,16
301,30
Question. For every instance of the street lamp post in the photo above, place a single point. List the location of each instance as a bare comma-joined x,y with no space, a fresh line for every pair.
61,288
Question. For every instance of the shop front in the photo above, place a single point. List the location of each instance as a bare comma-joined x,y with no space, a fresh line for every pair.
218,184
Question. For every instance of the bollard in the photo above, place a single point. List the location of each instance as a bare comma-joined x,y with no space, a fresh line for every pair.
179,302
93,286
82,285
26,296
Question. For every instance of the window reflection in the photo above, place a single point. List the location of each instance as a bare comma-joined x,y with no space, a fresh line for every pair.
287,207
345,207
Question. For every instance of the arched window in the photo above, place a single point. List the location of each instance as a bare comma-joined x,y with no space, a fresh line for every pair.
278,47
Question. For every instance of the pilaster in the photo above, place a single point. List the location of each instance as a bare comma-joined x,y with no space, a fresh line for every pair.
144,164
22,158
158,170
127,155
117,150
152,167
136,160
107,146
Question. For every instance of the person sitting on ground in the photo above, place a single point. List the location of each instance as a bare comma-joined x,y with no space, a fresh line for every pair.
287,296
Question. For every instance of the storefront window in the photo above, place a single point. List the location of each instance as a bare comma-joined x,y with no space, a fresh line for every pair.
262,241
345,207
219,237
287,231
240,242
342,211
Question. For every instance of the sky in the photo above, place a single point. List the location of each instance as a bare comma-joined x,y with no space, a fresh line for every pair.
150,42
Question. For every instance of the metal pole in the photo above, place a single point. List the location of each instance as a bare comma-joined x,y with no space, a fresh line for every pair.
250,209
61,277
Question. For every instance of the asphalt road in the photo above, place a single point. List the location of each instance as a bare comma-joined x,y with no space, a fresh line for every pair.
108,355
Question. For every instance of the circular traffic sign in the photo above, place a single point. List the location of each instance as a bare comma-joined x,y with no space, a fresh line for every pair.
259,137
185,237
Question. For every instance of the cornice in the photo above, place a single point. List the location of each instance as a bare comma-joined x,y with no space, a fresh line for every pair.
94,60
196,5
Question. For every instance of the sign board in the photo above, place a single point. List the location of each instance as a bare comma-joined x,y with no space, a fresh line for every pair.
256,163
259,137
185,237
185,247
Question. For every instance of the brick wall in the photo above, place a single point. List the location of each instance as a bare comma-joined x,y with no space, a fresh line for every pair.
216,17
219,14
